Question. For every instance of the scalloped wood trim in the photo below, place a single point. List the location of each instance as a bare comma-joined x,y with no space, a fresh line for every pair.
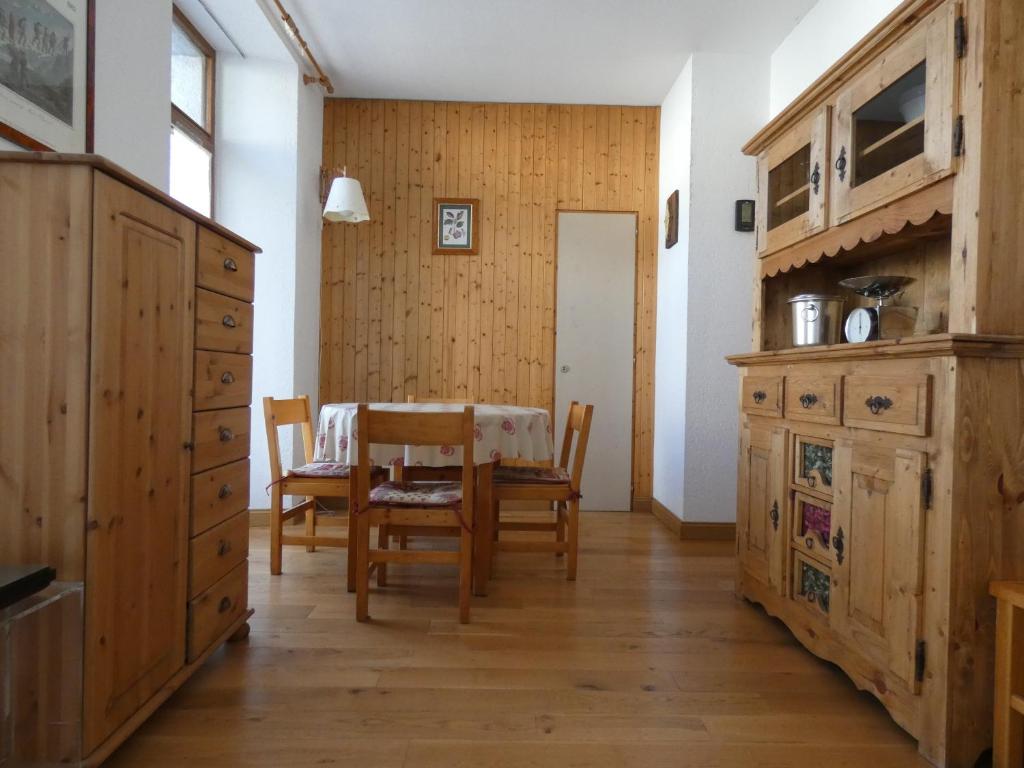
930,206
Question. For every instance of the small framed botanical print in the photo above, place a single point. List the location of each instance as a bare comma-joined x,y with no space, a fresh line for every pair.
455,226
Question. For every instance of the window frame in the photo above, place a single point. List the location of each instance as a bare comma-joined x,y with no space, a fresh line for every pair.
203,135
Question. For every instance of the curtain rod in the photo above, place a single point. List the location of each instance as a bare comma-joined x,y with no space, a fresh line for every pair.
322,78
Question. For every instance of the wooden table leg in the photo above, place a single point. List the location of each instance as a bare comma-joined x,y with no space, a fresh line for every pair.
482,529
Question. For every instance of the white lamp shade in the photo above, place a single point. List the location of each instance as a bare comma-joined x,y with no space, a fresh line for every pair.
346,202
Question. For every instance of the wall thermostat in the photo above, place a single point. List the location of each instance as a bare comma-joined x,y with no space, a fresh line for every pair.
744,215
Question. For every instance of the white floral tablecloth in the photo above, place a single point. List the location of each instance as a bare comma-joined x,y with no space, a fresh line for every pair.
502,432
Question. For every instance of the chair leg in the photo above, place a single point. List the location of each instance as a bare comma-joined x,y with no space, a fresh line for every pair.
276,501
350,561
311,523
465,574
382,543
495,519
363,568
573,507
560,522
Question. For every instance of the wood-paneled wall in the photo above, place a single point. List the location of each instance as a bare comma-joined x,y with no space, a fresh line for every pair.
396,320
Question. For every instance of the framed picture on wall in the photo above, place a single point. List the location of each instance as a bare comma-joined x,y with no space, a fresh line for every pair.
672,220
455,226
46,74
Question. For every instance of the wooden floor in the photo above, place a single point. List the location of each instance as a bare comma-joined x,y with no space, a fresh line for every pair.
647,660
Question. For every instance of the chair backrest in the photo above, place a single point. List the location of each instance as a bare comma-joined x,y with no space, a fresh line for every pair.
443,400
577,425
399,428
282,413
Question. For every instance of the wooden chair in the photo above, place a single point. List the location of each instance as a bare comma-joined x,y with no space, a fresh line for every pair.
1008,736
421,508
556,484
312,480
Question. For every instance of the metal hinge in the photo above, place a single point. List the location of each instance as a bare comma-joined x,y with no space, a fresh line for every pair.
958,136
926,488
960,37
919,654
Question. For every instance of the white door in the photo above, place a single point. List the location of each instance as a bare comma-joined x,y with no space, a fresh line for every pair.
594,347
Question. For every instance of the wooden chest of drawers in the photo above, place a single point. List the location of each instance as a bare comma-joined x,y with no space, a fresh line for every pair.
130,324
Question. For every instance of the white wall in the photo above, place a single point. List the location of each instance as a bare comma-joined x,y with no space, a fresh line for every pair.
133,86
704,282
830,29
730,103
308,242
670,344
256,184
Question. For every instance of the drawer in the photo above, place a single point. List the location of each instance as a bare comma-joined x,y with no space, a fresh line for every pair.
221,380
212,554
812,584
814,398
889,404
812,526
219,437
812,465
218,494
223,324
224,267
210,614
763,395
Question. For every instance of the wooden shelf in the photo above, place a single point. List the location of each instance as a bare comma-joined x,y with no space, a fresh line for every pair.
888,139
934,345
793,195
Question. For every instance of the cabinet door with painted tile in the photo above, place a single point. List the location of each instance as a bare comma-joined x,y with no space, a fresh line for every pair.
762,497
878,532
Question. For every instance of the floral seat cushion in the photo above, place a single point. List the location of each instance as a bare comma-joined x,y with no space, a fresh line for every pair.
416,494
330,469
552,475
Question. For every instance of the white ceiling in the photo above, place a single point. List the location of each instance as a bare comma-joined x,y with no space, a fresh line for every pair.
556,51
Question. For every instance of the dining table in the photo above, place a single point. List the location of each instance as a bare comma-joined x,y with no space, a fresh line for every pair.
501,433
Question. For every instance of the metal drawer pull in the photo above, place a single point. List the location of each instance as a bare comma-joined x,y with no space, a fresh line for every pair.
773,515
809,541
816,177
223,547
760,396
226,435
811,480
838,545
225,605
227,378
225,491
228,321
878,403
230,265
808,399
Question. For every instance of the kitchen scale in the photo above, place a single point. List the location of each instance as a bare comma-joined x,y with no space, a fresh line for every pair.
885,320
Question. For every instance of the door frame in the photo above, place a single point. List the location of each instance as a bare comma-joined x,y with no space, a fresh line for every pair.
636,301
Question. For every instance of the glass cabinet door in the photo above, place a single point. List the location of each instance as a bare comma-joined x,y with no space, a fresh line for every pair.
793,185
893,126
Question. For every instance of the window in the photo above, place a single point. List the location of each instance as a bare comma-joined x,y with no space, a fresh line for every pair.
191,141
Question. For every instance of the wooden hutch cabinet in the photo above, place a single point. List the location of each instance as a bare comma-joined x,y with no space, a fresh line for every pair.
125,333
881,484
